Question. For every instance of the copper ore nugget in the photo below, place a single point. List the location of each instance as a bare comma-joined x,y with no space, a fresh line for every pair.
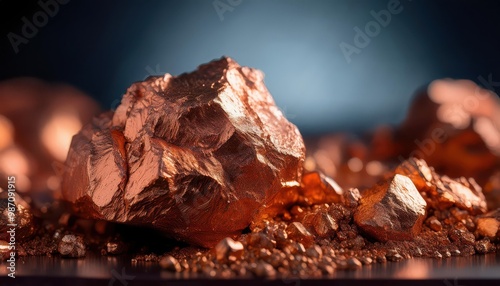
195,155
442,192
24,223
391,210
488,224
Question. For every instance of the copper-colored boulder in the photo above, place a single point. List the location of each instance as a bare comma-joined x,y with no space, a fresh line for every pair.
194,155
391,210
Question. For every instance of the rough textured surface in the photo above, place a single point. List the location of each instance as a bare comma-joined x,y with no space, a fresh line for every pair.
71,246
392,210
315,188
441,192
194,155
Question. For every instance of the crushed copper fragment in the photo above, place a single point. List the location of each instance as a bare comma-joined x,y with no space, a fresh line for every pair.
442,191
72,246
392,210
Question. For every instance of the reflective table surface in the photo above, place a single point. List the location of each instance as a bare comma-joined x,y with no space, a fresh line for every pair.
120,270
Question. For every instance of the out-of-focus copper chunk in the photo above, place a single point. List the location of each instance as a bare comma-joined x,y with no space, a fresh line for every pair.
454,126
21,216
441,192
487,225
194,155
391,210
344,158
492,191
37,122
315,188
228,247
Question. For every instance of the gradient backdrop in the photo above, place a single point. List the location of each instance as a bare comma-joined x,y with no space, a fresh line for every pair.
103,46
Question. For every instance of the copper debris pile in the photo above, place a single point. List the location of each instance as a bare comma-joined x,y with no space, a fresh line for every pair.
206,158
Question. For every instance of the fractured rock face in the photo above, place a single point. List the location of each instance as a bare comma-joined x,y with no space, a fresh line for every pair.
441,192
392,210
194,155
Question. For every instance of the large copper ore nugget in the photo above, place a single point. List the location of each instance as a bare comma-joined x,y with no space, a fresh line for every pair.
392,210
194,155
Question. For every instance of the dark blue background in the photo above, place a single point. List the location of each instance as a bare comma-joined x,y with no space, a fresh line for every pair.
103,46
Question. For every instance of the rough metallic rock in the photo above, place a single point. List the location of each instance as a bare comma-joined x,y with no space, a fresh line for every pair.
462,236
194,155
352,197
484,246
260,240
435,224
392,210
488,224
228,247
442,192
26,223
298,232
324,225
170,263
115,248
71,246
317,188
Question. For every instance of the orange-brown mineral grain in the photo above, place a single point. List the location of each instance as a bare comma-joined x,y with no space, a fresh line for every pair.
195,155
